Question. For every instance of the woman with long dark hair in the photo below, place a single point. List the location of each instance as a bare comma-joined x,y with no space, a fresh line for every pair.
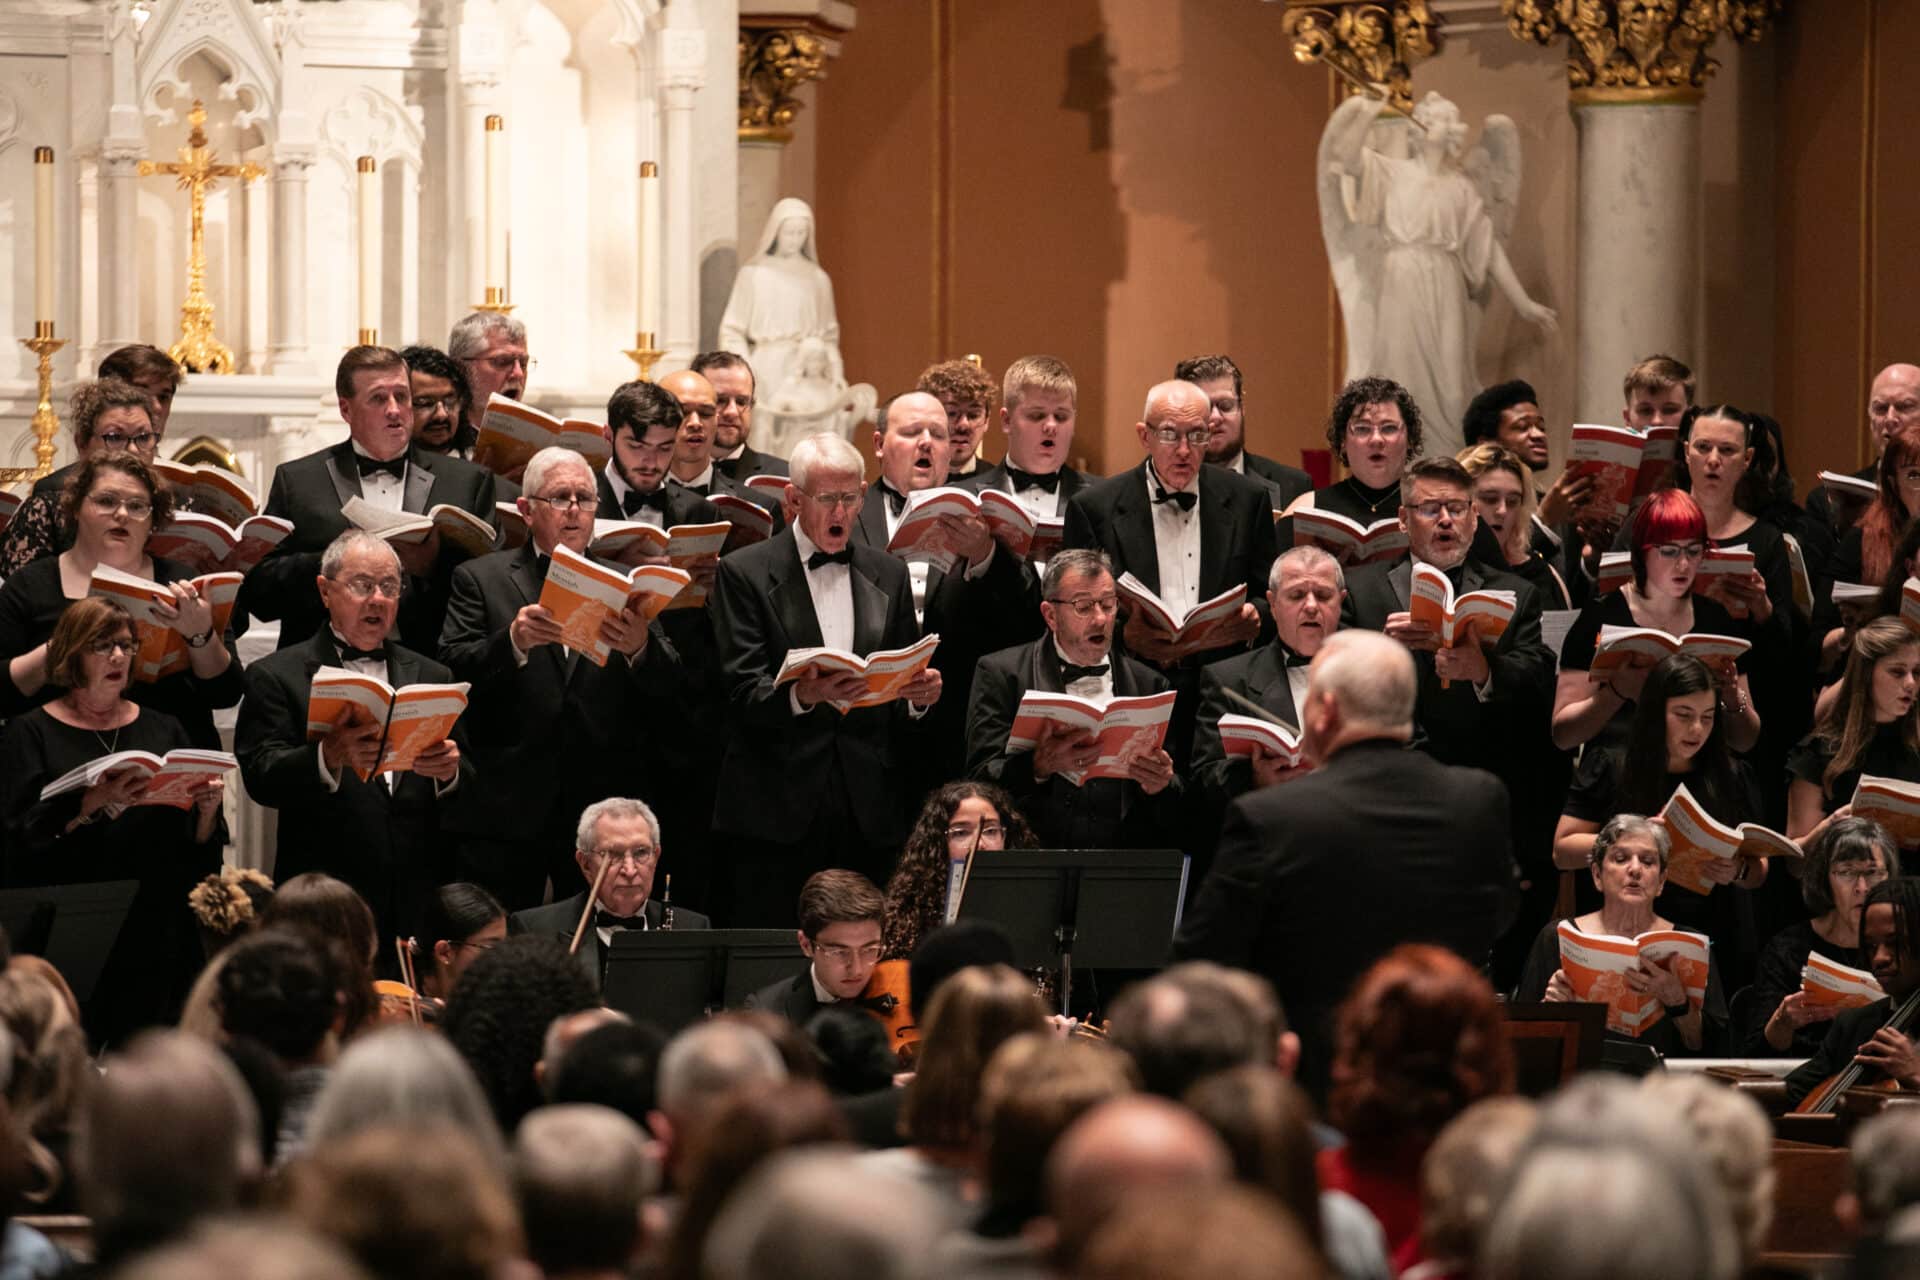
952,820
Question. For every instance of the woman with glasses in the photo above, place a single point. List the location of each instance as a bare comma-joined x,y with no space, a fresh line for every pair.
1374,430
461,923
1847,858
109,416
112,504
1871,727
1668,540
953,819
102,832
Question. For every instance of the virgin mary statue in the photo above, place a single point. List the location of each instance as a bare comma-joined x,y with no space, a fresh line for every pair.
780,299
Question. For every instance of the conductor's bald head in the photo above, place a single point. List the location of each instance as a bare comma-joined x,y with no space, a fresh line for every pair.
1361,686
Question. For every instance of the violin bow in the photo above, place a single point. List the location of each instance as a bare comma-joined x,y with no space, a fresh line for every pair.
406,976
593,896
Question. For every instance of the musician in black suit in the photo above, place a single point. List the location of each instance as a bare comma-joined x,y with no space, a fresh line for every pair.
1417,849
840,914
378,463
1075,657
692,466
1473,697
1890,945
1307,588
1219,377
551,730
380,835
731,378
801,784
625,835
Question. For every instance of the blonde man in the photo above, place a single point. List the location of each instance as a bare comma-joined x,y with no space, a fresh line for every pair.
1038,401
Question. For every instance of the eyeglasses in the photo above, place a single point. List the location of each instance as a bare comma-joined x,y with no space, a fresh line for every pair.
116,442
1431,510
987,831
832,500
1680,550
108,647
639,857
833,953
363,588
427,404
1859,873
1373,430
1085,606
106,504
505,363
1197,437
569,501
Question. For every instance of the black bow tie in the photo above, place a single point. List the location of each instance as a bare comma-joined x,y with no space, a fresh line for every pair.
395,467
603,919
1019,479
1069,673
1288,658
818,558
896,500
635,500
1183,498
350,654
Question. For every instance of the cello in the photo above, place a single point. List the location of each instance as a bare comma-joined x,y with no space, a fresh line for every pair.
1827,1097
889,993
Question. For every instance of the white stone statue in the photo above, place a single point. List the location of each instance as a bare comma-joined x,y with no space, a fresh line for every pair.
813,398
1415,241
781,298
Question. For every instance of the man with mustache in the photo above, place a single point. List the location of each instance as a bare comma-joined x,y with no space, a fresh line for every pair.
731,378
1220,378
441,398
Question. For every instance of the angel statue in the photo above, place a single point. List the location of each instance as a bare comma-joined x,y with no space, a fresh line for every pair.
1414,242
781,298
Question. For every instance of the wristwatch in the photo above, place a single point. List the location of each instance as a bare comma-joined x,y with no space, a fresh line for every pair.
1677,1010
200,641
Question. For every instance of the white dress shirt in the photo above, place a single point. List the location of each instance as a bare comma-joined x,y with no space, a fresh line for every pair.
831,586
820,992
1037,502
702,481
382,490
646,515
1297,680
1097,689
1176,544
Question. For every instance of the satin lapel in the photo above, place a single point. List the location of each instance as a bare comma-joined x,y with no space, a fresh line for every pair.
1267,684
345,476
1216,533
1133,528
793,603
871,529
1043,671
1400,578
870,603
419,483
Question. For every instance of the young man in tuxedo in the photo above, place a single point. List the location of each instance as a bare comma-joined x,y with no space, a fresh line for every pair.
840,913
379,464
692,467
1038,401
966,392
624,835
801,784
731,378
1076,657
380,834
1219,377
552,730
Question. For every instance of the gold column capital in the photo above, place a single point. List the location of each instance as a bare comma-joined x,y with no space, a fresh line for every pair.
1365,41
1639,51
774,62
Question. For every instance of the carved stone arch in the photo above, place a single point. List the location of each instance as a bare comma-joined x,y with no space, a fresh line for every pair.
9,120
232,37
367,122
635,21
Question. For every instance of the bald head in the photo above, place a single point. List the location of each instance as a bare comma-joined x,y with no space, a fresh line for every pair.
1894,401
911,437
1128,1145
1361,685
693,443
1178,409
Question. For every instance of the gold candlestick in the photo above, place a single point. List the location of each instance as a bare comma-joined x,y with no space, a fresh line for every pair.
496,301
46,423
645,354
369,337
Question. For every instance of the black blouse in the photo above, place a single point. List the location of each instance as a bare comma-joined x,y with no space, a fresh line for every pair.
1359,502
1710,617
1887,756
1776,977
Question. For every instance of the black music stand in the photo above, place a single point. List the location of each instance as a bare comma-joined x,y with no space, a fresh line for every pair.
73,925
1099,908
674,978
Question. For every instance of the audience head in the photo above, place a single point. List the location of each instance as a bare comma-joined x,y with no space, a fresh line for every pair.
113,415
360,584
1374,428
1198,1018
966,392
1080,604
1734,1138
1508,414
945,951
564,1031
245,1249
954,819
152,371
1715,450
1462,1175
499,1014
330,910
1668,537
1893,401
852,1050
1890,934
376,399
1883,1170
459,922
281,989
1305,589
613,1065
1415,1044
731,378
167,1135
1502,495
226,904
1033,1089
44,1070
699,409
702,1064
1361,686
1266,1122
1657,393
442,399
402,1076
1844,861
582,1174
91,647
112,503
1228,1233
1219,378
1038,399
409,1203
910,440
811,1215
492,347
1173,431
558,497
1138,1145
972,1014
828,484
840,914
1436,509
643,426
624,835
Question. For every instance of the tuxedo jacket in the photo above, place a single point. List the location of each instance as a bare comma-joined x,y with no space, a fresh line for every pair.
385,843
310,492
1316,879
1283,483
724,483
1458,726
1260,677
1026,623
791,998
550,741
776,762
751,462
995,477
560,919
683,505
1236,534
1105,813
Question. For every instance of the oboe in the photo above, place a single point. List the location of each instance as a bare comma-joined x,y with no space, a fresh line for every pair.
666,905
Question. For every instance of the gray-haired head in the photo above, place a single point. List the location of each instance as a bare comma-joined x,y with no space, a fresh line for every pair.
1073,562
347,544
550,462
1370,677
703,1062
1884,1164
825,453
402,1075
1304,560
808,1215
472,332
1630,826
582,1174
586,835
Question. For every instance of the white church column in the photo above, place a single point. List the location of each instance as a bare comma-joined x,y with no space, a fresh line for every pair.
119,261
683,72
291,355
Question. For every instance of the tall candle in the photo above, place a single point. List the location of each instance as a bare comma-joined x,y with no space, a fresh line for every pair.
43,234
650,248
496,226
368,181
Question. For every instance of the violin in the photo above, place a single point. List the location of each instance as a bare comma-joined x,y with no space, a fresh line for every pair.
889,998
1828,1096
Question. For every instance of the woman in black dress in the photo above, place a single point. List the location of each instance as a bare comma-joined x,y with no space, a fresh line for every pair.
1849,857
113,503
103,832
1374,430
1872,727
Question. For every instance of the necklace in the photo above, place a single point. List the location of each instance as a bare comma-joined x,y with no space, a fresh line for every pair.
112,746
1373,505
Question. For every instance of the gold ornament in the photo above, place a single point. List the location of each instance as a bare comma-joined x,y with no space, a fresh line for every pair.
774,63
198,349
1638,50
1365,44
46,422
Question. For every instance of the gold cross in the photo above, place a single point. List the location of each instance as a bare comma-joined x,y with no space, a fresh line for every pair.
198,349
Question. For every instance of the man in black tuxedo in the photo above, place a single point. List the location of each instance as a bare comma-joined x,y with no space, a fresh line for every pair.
1307,586
1376,845
692,466
1075,657
731,378
1475,697
625,835
441,398
840,914
553,731
491,347
801,784
1893,402
1219,377
379,464
380,835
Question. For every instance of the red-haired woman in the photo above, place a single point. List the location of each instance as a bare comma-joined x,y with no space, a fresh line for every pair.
1417,1043
1668,537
